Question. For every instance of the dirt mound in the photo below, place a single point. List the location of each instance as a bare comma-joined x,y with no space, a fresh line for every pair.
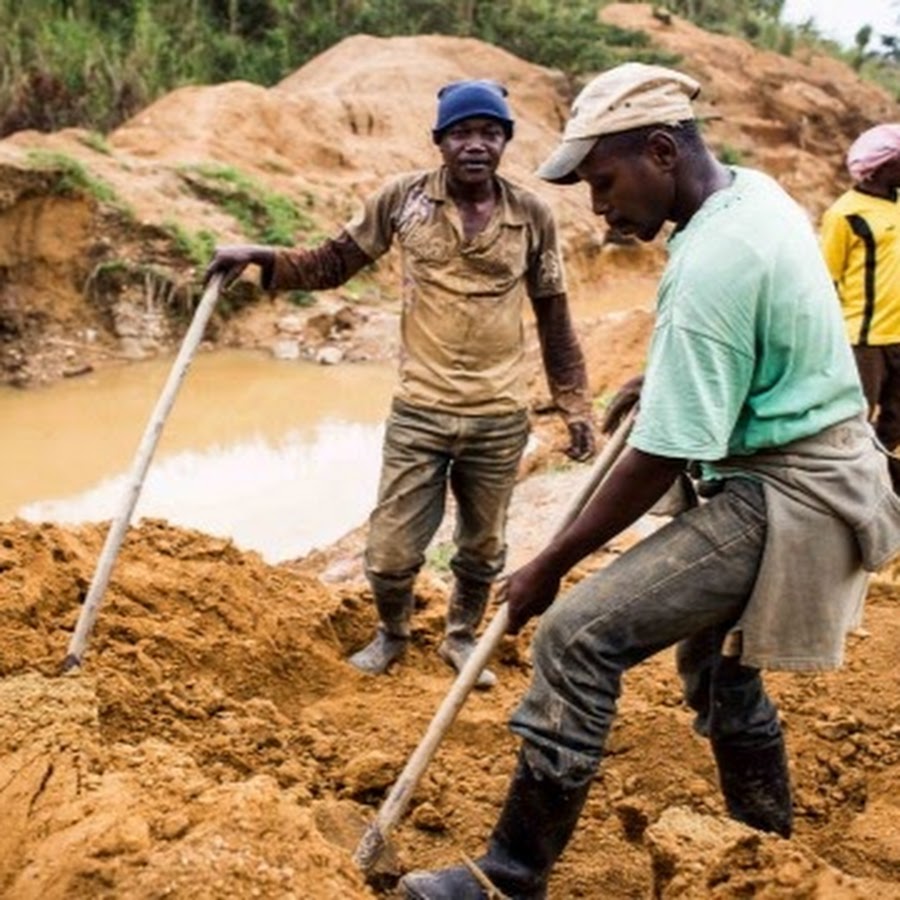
793,117
215,743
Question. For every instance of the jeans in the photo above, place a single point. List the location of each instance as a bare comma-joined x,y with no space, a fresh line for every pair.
685,584
424,452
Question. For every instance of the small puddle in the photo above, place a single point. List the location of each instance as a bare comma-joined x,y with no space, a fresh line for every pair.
280,456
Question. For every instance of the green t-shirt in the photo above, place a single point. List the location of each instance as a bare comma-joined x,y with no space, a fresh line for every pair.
749,350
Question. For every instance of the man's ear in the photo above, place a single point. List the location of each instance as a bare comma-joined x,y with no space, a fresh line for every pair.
662,149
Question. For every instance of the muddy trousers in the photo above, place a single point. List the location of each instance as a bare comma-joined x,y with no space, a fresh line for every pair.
425,453
686,584
744,732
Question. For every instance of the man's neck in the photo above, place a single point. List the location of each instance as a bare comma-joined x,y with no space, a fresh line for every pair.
708,177
883,192
472,194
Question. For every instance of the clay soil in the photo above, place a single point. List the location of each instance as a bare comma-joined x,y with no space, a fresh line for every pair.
215,743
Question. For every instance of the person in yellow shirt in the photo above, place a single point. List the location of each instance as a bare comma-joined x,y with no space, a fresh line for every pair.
860,239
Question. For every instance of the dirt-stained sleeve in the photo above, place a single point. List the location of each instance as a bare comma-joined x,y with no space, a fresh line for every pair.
363,239
563,358
326,266
546,276
372,228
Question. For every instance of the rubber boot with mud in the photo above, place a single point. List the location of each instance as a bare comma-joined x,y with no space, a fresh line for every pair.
394,602
537,820
756,785
464,614
376,657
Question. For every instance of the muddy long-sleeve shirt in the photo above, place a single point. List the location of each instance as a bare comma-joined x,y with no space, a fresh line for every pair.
462,325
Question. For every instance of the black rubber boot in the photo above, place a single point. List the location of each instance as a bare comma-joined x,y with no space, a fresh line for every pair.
464,614
756,785
394,602
537,820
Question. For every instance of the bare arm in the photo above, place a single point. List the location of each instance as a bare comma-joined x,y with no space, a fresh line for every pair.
636,482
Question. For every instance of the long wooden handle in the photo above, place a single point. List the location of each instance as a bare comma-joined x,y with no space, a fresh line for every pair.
374,840
146,448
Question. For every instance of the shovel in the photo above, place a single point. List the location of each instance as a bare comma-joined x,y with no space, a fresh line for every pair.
374,840
119,526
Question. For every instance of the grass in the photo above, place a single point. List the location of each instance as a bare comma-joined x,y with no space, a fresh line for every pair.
197,246
73,179
264,215
438,556
96,142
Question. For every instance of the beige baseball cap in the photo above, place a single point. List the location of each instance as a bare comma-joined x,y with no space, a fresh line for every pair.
629,96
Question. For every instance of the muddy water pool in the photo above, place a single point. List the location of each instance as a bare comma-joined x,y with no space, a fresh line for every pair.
280,456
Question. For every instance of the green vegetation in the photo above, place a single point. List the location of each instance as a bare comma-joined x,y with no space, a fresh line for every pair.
96,142
302,299
874,56
72,178
265,216
729,155
198,246
92,63
438,556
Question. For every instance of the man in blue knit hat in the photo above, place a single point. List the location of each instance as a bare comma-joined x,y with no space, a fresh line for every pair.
474,247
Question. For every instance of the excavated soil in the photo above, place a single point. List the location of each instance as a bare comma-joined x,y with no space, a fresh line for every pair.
215,743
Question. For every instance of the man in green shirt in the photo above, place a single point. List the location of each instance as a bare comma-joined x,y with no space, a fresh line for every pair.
750,377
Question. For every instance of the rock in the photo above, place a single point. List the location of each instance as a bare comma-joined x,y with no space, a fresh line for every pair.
319,325
287,348
427,817
346,319
329,356
696,857
372,771
290,324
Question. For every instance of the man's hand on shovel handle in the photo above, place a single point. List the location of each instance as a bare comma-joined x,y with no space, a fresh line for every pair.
528,592
230,260
626,397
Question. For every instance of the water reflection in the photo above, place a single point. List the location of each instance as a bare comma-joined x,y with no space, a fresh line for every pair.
280,499
281,457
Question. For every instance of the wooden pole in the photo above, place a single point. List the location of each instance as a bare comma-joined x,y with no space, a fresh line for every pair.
374,840
120,522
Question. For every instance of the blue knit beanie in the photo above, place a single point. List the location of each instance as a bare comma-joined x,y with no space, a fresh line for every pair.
467,99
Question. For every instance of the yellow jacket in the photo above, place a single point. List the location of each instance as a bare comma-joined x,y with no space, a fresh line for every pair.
860,239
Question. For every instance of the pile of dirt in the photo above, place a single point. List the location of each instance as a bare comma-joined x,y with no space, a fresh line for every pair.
216,743
793,117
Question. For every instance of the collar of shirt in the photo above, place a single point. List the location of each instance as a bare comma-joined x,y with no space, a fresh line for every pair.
511,211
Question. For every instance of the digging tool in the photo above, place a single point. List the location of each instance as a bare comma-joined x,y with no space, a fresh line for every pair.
374,840
146,448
